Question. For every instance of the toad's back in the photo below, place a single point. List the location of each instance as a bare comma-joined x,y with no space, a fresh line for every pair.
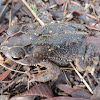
58,42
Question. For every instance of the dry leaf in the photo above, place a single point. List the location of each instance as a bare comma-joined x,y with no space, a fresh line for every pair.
65,98
42,90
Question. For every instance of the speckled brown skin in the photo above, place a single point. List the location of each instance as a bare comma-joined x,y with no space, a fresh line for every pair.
52,42
58,43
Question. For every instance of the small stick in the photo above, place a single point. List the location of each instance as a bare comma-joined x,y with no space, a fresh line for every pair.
3,65
86,84
66,4
29,8
67,80
4,8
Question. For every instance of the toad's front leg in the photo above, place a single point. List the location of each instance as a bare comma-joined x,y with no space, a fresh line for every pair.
51,73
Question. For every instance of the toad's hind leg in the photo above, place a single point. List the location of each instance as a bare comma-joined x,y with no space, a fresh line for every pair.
52,72
90,61
89,57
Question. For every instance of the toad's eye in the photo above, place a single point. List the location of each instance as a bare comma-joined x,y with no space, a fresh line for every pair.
17,53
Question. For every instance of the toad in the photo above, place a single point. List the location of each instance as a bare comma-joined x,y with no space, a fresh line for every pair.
51,46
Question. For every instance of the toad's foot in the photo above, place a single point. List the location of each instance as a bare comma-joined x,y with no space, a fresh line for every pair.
52,72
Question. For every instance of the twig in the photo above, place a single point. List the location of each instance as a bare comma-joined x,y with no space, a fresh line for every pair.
86,84
66,68
67,80
4,8
2,64
10,22
13,81
33,13
66,5
93,17
55,5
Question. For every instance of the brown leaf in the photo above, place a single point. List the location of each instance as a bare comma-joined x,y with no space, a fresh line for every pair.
81,94
25,98
40,90
60,2
81,16
67,88
6,73
65,98
15,1
93,26
77,12
3,28
76,3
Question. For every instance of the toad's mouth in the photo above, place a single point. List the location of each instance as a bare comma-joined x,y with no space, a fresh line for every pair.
17,58
26,60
